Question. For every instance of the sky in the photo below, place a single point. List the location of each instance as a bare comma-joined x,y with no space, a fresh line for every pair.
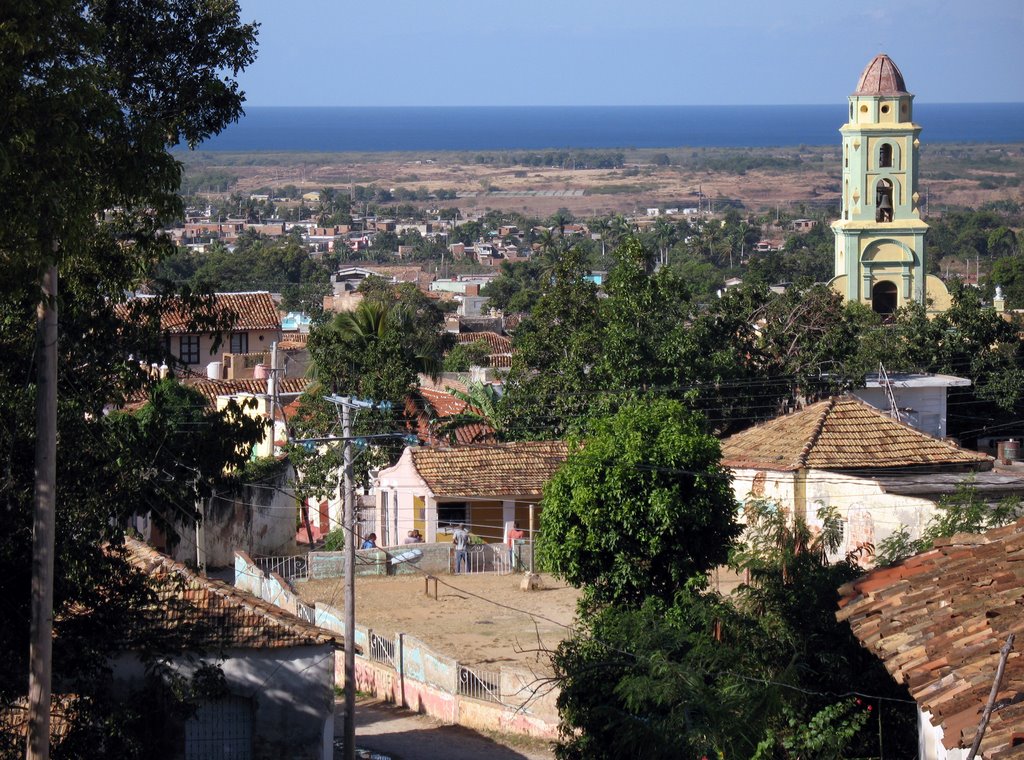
613,52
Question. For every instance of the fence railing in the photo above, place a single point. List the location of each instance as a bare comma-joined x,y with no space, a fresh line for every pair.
382,650
291,568
305,612
479,684
494,558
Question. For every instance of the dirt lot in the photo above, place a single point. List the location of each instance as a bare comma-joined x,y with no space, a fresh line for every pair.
472,619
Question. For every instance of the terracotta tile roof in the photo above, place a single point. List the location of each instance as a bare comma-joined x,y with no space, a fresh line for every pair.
938,620
193,612
213,388
247,311
442,404
841,433
498,344
504,469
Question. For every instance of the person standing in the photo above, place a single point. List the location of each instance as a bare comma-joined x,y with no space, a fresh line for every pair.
460,541
515,534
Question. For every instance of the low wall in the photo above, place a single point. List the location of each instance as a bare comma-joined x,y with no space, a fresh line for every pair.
424,681
268,587
405,671
432,558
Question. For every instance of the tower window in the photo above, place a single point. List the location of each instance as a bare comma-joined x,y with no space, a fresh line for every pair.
885,155
883,201
885,109
884,297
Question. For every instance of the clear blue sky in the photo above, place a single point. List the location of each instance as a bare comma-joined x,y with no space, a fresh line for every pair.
611,52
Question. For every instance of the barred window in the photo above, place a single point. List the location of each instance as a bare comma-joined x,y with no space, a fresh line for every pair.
189,349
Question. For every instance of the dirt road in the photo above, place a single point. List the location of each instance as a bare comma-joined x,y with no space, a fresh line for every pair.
402,735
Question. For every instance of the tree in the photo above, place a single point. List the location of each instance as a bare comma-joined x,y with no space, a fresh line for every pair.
640,506
95,94
482,409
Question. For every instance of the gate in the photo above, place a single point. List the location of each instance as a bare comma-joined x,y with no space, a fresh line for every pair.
221,729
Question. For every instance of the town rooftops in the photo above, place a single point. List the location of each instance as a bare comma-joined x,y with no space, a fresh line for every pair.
842,433
429,407
192,612
937,622
504,469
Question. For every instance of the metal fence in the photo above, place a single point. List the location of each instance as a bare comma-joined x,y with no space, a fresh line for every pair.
382,650
495,558
479,684
305,612
291,568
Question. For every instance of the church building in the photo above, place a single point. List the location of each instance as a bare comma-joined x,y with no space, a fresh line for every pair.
880,239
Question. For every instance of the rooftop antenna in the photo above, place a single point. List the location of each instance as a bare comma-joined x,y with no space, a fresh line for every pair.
883,378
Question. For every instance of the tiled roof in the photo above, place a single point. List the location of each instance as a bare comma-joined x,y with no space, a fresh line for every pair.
193,612
498,344
249,311
213,388
841,433
504,469
443,404
938,620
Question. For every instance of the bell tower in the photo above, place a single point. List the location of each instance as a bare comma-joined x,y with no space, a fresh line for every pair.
880,237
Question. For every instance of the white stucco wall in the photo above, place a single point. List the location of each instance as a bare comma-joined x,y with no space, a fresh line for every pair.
292,690
929,741
870,514
402,484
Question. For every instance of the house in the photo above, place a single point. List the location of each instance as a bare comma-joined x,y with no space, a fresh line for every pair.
432,490
878,473
499,346
249,323
920,398
937,621
278,670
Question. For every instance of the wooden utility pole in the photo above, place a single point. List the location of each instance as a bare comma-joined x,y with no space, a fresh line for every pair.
350,586
40,671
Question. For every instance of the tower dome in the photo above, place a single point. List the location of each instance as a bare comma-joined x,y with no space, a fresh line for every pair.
881,77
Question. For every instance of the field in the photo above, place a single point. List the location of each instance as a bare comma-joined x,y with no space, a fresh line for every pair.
760,180
479,619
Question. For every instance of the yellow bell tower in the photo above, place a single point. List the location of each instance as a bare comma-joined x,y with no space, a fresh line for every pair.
880,238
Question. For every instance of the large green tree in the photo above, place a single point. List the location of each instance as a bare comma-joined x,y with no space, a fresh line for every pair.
640,507
95,95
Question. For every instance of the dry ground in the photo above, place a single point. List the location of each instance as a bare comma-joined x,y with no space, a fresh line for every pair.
472,620
814,180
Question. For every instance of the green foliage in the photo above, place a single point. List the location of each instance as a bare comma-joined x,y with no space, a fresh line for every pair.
640,506
482,409
466,355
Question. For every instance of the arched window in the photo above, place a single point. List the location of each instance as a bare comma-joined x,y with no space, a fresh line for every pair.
885,155
883,201
884,297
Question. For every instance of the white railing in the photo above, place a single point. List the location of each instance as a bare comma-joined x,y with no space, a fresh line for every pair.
291,568
479,684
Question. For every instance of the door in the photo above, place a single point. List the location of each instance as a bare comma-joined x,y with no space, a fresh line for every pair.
221,729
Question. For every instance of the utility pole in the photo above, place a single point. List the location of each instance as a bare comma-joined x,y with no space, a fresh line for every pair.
40,670
350,586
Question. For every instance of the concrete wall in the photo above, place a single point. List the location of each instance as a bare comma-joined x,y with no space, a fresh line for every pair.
270,588
291,689
927,406
427,682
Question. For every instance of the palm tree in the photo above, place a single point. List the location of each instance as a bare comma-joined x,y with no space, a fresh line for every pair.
665,234
481,410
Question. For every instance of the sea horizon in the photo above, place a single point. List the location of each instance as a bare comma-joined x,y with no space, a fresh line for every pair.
340,129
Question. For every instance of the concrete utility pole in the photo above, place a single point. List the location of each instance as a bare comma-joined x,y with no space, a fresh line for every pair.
350,586
40,670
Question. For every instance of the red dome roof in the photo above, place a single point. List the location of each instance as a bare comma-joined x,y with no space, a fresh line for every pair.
881,77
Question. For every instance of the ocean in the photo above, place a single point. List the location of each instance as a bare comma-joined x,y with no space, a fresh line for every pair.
340,129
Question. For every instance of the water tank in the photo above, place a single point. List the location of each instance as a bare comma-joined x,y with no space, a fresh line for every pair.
259,372
1011,450
213,370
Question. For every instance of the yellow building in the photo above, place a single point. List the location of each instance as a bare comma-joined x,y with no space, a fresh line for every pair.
880,239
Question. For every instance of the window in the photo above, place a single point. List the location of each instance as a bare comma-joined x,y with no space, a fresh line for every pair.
452,513
189,349
883,201
239,343
885,155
